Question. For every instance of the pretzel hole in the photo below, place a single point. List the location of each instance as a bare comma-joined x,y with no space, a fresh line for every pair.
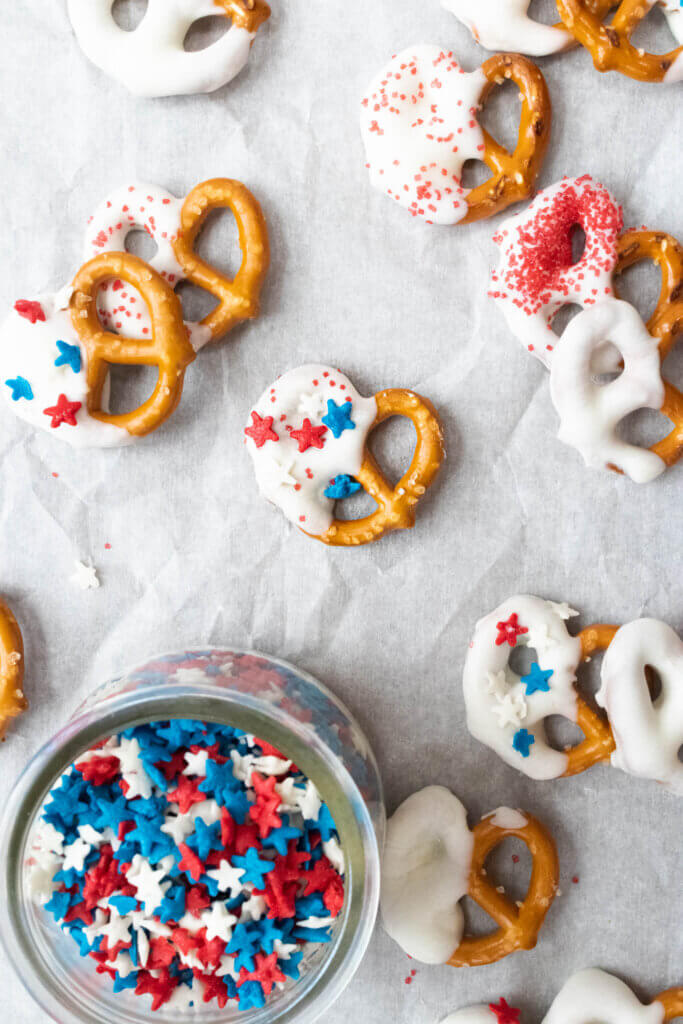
654,683
204,32
474,173
521,657
640,285
393,443
140,243
218,242
561,733
477,921
643,427
502,869
652,33
197,303
357,506
130,387
577,238
501,113
129,13
544,11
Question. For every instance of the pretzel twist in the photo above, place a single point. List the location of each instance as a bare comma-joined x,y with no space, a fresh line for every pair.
237,297
395,506
666,322
513,174
169,348
598,743
518,927
247,14
672,1001
12,699
610,45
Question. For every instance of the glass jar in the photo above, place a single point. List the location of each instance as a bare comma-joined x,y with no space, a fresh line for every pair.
263,696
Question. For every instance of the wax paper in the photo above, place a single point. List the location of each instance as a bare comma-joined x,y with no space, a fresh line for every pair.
188,552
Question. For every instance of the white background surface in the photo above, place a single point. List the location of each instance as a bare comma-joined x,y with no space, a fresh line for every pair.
197,556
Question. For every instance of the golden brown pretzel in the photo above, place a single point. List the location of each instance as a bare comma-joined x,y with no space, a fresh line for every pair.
247,14
168,348
12,699
666,323
672,1001
598,743
610,45
518,926
237,297
395,506
513,174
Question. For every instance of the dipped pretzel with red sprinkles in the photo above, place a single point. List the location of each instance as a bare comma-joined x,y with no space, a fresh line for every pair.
537,274
190,862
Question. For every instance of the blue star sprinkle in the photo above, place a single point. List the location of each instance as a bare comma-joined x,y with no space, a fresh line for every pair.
20,388
254,868
124,904
206,838
338,417
537,679
69,355
290,967
523,741
343,486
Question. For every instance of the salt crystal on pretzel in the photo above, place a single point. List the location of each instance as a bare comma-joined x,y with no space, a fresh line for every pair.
592,991
307,436
590,411
505,25
151,59
537,276
432,860
419,126
648,734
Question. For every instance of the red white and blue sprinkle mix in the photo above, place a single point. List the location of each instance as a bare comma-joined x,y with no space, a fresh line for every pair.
191,862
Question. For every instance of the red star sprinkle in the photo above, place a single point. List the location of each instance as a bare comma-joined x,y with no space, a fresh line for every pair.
309,436
319,877
504,1014
214,988
228,828
187,793
333,897
63,412
30,310
261,430
190,862
267,972
160,988
99,770
509,631
197,899
264,811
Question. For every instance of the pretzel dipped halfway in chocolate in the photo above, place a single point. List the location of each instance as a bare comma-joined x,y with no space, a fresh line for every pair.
666,322
168,348
12,699
432,860
420,126
610,45
513,175
307,436
175,225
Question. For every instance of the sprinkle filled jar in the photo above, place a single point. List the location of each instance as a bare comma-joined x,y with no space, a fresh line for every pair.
199,842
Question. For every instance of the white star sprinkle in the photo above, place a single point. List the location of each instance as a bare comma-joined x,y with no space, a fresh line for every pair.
182,997
116,929
124,965
495,682
334,854
253,909
139,784
196,763
562,609
189,675
228,878
147,883
509,710
89,835
128,753
539,638
48,838
85,576
309,802
277,473
218,921
76,854
312,405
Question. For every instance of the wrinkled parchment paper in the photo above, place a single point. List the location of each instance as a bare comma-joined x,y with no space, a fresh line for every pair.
195,554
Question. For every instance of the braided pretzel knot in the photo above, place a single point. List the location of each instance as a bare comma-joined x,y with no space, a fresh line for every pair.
666,322
610,45
513,174
518,927
238,296
396,506
12,700
169,348
598,744
672,1001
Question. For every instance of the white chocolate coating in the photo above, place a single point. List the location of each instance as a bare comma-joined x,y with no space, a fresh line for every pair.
29,350
674,15
648,734
151,60
471,1015
593,995
295,481
589,412
505,25
419,126
425,869
507,817
137,207
535,277
498,703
